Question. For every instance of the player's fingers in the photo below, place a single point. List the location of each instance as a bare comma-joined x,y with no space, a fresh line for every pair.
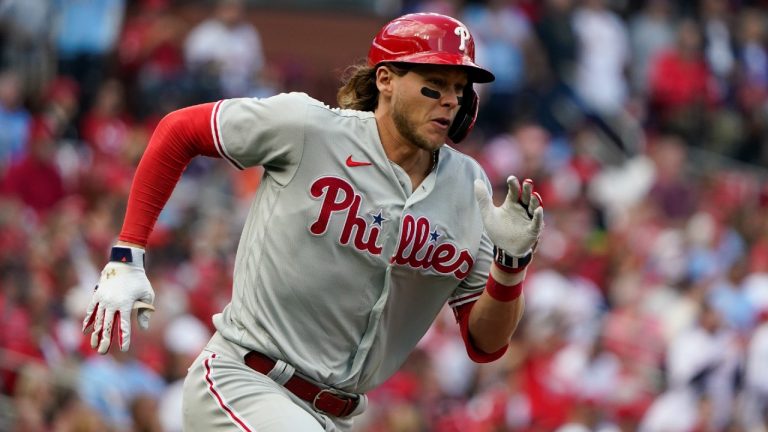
513,191
138,304
106,332
483,197
90,316
95,338
123,318
527,190
90,311
538,197
143,314
97,327
535,202
537,221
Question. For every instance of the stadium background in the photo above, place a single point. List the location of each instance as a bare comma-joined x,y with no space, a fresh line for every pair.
644,125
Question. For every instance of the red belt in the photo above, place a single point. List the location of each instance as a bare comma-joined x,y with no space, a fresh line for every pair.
326,400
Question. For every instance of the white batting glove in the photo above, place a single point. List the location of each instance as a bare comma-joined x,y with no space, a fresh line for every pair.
515,226
123,286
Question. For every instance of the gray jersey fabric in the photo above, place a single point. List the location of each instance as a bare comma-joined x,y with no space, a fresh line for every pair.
341,267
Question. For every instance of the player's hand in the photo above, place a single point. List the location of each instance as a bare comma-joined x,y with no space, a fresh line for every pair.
123,286
515,225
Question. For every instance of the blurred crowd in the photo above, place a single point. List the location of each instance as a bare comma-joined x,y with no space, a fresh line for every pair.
643,124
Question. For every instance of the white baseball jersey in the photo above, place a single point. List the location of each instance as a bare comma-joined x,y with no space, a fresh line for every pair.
341,267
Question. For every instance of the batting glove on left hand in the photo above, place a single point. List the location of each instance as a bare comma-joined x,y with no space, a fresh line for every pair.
515,226
123,286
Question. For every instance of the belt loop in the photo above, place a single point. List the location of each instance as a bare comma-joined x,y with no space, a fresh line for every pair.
281,372
362,404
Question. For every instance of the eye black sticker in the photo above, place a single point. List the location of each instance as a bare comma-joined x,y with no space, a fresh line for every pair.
428,92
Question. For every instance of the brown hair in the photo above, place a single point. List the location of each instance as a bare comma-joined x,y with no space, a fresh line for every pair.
358,90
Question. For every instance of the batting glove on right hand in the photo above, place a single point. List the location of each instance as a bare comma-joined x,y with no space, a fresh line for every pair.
515,226
123,286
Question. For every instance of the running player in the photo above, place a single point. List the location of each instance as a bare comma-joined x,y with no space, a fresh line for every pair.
365,225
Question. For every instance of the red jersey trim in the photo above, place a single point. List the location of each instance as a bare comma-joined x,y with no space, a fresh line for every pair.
475,354
217,141
462,299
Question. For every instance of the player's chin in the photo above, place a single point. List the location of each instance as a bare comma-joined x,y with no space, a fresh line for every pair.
436,137
432,142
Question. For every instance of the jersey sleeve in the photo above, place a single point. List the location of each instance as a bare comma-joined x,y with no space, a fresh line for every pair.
472,286
469,290
466,295
267,132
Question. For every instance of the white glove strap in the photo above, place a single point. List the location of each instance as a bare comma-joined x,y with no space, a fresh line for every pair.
132,256
511,262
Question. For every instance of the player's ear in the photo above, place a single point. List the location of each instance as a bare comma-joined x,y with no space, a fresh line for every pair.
384,78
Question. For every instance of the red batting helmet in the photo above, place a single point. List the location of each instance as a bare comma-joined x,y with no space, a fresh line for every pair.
427,38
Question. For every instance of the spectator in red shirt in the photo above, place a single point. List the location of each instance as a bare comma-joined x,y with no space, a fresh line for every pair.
680,84
151,59
35,180
105,126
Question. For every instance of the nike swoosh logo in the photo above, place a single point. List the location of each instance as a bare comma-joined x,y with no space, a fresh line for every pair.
354,163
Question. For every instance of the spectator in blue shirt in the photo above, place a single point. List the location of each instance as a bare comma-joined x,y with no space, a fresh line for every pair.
111,384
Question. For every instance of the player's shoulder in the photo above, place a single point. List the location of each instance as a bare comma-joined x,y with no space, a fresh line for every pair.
456,160
291,98
459,167
284,106
336,111
296,100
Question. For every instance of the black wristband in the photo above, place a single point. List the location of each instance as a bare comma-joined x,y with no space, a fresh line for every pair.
125,255
501,258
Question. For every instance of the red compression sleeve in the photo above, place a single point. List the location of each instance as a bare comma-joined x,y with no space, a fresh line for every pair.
475,354
178,138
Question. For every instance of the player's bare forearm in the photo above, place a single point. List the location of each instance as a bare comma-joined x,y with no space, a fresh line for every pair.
492,322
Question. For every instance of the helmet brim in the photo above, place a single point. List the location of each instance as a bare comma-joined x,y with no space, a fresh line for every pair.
476,74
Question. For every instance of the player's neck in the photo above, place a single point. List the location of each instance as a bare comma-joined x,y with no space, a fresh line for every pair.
414,160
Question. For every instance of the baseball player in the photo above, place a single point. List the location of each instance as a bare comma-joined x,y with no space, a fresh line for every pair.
365,224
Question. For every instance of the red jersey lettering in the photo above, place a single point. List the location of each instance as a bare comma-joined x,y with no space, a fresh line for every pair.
339,196
416,250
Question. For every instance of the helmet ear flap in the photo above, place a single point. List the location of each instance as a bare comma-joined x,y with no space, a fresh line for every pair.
466,116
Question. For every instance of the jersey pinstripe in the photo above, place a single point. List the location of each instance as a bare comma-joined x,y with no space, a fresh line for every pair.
341,268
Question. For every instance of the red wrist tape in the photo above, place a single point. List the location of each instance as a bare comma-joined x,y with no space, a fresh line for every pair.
503,293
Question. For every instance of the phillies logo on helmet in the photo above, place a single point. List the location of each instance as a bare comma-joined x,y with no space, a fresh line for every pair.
427,38
418,246
464,35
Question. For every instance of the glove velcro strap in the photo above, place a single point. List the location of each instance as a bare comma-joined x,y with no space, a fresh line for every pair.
503,293
127,255
509,263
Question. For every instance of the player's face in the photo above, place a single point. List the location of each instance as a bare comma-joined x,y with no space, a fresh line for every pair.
425,120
